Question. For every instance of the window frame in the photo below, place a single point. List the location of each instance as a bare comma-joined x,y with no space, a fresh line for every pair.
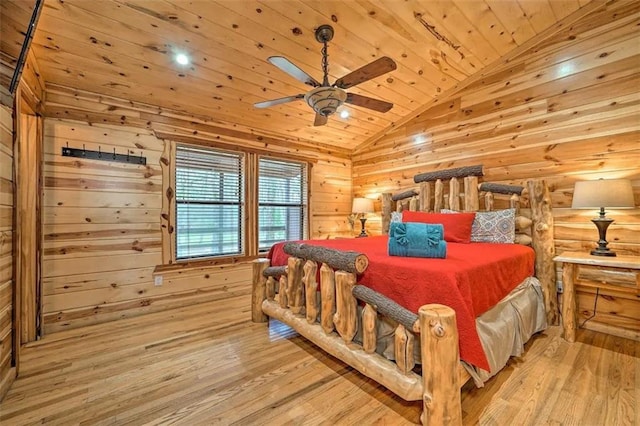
250,232
305,193
241,204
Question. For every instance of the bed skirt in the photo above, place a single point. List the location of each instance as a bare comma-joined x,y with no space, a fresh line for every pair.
503,330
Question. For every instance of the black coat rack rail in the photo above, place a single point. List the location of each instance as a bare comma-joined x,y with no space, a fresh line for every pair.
104,156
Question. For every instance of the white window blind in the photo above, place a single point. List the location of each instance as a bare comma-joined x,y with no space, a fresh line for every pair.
282,201
209,202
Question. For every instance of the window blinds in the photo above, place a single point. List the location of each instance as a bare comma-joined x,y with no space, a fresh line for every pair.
209,202
282,201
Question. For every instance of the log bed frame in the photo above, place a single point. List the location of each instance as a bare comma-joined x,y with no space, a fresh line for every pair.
329,318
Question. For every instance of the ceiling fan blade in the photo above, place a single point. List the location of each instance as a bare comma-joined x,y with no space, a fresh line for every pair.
320,120
285,65
273,102
371,70
367,102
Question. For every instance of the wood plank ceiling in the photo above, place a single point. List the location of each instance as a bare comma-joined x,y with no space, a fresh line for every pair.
126,48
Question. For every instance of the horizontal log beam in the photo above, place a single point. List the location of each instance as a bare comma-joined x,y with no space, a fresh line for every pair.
387,307
403,195
498,188
349,261
458,172
275,271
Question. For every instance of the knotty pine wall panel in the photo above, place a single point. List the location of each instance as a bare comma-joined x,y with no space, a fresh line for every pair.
566,110
102,235
7,374
100,224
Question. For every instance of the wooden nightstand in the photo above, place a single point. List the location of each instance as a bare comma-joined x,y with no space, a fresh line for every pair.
578,265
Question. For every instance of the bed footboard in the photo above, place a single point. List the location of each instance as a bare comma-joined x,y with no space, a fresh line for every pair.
329,318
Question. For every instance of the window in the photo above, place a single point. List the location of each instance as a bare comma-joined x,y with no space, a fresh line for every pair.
230,204
282,201
209,202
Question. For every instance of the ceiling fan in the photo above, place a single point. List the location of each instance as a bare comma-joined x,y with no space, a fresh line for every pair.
325,98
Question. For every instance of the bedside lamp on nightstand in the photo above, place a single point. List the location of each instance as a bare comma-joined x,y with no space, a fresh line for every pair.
609,193
362,206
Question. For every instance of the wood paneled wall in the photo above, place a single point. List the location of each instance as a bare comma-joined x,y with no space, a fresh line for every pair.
565,110
7,374
102,236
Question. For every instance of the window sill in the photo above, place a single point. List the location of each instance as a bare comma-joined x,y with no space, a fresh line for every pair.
184,266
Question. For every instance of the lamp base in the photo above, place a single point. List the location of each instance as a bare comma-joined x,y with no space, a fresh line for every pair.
362,232
602,223
600,252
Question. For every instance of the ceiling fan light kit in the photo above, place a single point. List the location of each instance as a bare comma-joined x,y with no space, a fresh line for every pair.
326,98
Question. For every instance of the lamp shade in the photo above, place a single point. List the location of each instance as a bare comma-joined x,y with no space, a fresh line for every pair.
610,193
362,205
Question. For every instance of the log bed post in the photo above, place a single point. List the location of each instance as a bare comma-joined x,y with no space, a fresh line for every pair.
295,289
440,360
311,290
259,293
387,208
345,318
327,297
543,244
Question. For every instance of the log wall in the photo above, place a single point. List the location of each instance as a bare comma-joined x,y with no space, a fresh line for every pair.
565,110
7,374
102,235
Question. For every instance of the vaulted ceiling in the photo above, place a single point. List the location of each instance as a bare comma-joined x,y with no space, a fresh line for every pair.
127,48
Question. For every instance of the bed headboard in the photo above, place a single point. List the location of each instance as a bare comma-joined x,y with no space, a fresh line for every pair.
459,189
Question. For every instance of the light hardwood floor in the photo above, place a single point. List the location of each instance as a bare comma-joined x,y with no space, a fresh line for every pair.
208,364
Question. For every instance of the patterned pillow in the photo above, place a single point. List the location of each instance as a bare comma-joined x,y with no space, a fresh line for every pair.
498,226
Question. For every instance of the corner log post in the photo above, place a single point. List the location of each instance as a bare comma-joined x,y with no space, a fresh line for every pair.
440,361
542,242
259,293
388,206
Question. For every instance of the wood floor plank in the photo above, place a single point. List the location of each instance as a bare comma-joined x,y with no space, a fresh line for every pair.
208,363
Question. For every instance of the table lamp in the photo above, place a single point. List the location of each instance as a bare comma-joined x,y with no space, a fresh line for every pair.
362,206
603,193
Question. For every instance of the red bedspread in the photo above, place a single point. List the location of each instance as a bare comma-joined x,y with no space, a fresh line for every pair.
473,278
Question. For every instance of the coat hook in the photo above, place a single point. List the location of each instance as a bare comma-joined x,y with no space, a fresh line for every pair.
99,152
84,151
140,159
127,155
114,153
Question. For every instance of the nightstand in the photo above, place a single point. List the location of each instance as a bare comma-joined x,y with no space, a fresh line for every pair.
594,271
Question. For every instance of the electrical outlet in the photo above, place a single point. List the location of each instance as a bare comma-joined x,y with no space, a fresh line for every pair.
559,288
158,280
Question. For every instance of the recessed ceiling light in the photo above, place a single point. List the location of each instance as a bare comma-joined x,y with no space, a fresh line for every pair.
419,139
344,113
182,59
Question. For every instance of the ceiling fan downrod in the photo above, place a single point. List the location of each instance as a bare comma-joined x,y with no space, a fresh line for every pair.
324,34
